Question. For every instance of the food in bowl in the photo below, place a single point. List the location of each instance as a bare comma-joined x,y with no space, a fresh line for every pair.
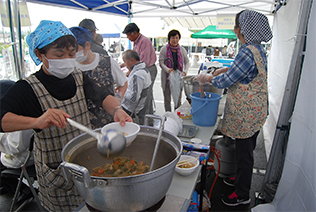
121,167
184,166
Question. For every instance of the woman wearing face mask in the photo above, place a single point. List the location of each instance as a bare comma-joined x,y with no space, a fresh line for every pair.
172,57
103,70
246,107
44,100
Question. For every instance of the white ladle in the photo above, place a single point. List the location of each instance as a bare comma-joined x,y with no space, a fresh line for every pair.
110,143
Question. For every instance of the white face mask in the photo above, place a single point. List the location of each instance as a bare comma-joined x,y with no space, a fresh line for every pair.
60,68
80,57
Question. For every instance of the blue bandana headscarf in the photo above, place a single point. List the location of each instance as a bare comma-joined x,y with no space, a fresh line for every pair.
46,33
82,35
255,27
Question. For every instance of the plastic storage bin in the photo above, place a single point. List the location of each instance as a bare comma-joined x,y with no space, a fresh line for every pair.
194,205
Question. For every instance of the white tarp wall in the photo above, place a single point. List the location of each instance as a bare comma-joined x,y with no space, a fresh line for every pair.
296,190
283,41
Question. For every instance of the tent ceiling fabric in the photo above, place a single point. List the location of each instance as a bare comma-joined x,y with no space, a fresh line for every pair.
180,8
107,6
189,13
192,22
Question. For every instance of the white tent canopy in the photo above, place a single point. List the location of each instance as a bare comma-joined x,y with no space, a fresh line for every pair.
190,14
296,189
297,186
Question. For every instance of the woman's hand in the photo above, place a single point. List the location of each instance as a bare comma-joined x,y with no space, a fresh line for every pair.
184,74
50,118
203,78
121,116
170,70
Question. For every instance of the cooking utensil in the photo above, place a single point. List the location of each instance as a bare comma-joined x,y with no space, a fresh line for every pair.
201,90
110,143
162,122
131,193
180,163
192,86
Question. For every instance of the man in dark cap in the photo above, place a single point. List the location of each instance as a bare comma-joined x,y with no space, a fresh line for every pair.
147,54
90,25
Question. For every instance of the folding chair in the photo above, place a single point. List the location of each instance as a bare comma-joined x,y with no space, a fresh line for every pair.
25,172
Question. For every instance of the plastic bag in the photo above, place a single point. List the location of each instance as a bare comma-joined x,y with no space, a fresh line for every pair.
173,123
175,79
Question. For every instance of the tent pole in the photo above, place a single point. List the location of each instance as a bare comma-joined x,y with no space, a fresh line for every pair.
120,46
18,22
129,42
130,13
13,39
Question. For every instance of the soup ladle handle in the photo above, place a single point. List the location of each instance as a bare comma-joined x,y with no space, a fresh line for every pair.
83,128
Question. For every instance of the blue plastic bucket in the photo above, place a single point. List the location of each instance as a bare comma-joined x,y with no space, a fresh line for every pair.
204,110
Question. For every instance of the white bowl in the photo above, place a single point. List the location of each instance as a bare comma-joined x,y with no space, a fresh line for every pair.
130,128
187,171
196,140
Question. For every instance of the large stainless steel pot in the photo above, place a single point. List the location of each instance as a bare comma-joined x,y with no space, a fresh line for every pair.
192,86
133,193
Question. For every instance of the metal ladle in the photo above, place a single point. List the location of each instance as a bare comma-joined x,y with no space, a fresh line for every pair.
162,122
110,143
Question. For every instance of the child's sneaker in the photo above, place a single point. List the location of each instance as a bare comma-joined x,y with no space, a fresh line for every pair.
234,200
229,181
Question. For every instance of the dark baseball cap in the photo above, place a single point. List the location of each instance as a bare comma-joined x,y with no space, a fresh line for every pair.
88,24
131,27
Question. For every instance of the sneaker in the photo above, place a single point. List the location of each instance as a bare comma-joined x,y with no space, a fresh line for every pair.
229,181
234,200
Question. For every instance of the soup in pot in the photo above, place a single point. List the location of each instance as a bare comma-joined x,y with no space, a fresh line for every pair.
121,167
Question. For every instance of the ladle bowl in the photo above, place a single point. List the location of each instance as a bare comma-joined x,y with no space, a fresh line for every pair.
109,143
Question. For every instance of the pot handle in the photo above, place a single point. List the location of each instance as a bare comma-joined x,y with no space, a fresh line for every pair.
147,116
192,80
71,170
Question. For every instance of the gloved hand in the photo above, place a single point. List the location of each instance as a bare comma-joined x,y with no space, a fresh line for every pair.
203,78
